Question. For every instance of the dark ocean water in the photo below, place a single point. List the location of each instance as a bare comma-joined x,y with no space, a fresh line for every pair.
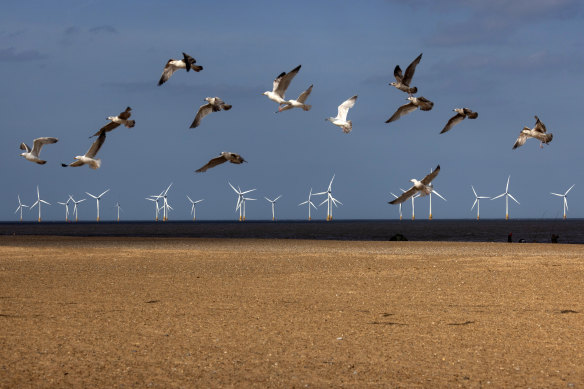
531,230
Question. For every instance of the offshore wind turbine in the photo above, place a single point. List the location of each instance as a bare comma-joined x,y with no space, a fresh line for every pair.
477,201
400,206
38,202
437,194
97,199
239,199
194,207
310,204
330,200
507,195
165,206
242,204
118,206
75,203
155,201
565,197
20,207
273,202
413,204
66,204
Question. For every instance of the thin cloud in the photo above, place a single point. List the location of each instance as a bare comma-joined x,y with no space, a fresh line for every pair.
103,29
11,54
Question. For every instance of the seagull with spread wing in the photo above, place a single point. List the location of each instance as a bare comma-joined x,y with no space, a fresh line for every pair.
89,157
173,65
461,114
298,103
116,121
423,187
415,102
33,154
280,85
224,157
341,119
538,132
214,104
403,80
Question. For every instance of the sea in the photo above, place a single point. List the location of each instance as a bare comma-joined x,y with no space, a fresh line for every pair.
485,230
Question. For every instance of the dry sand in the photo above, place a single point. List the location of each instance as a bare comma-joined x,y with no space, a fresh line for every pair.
136,312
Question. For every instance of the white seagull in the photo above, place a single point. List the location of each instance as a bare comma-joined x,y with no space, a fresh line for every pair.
173,65
299,102
403,81
415,102
341,119
461,114
423,187
214,104
116,121
89,157
538,132
224,157
33,154
280,85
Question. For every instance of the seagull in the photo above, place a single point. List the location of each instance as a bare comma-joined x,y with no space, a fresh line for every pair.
115,122
461,114
224,157
89,157
37,145
281,83
403,81
173,65
298,103
422,187
214,104
415,102
341,119
538,132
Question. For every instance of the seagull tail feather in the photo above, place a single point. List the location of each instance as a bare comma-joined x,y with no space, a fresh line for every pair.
196,68
96,165
306,107
130,123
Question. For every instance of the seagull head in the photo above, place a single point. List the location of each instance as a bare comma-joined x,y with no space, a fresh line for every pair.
22,154
393,83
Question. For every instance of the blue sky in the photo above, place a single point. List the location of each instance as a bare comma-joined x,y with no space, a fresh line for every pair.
68,65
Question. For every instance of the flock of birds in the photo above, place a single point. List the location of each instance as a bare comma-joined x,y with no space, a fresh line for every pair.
277,94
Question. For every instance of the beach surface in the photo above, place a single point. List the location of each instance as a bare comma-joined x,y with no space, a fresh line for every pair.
184,312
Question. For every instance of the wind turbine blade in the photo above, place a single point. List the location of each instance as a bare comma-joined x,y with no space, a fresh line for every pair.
302,203
314,206
80,201
276,199
166,191
198,201
513,198
323,202
473,204
501,195
190,199
91,195
319,193
393,195
507,187
483,197
569,190
331,183
438,194
235,190
566,202
267,199
34,205
473,191
247,191
103,193
556,194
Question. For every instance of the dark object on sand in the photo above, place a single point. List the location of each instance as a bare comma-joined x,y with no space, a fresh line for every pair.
555,238
521,241
510,237
398,237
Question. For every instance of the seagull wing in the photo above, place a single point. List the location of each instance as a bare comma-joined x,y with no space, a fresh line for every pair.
401,111
304,95
452,122
107,128
38,143
428,179
167,72
282,82
410,70
75,163
95,146
470,114
404,196
344,107
126,114
520,140
397,73
24,146
539,126
425,104
204,110
212,163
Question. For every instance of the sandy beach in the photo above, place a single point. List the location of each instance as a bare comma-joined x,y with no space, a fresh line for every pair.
180,312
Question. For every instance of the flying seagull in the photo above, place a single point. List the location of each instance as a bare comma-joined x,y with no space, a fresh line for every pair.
298,103
33,154
281,83
403,81
89,157
341,119
461,114
415,102
422,187
116,121
214,104
224,157
538,132
173,65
